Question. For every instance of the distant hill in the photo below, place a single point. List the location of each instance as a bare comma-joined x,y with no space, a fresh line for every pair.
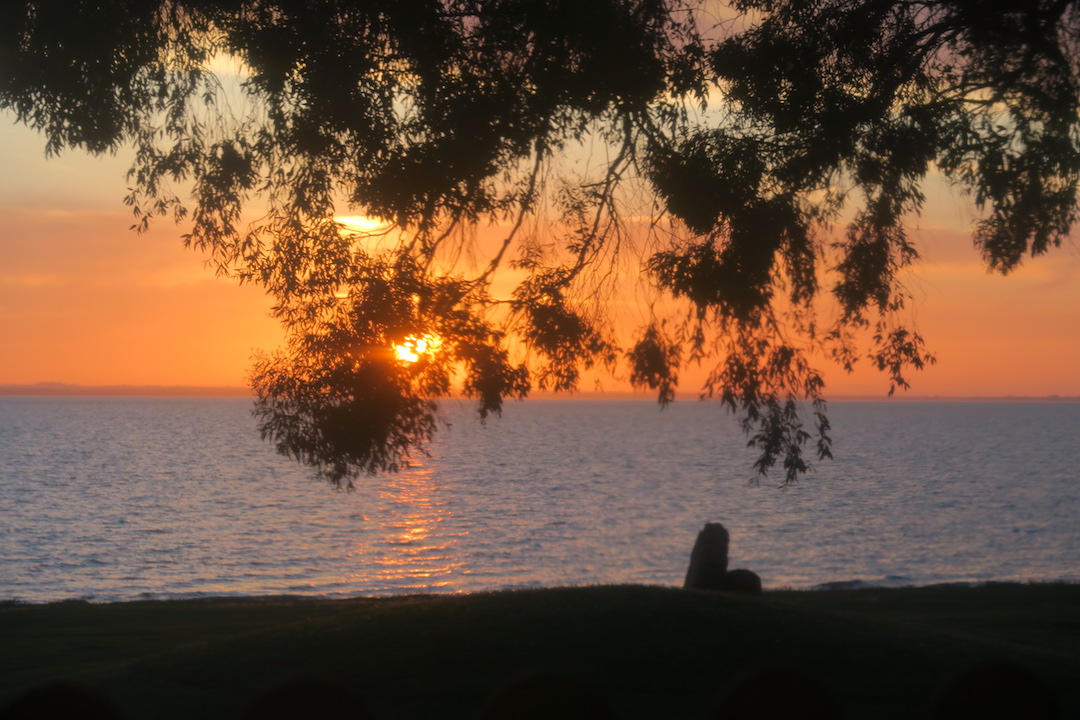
54,388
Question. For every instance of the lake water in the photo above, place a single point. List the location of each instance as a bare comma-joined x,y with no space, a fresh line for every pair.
124,498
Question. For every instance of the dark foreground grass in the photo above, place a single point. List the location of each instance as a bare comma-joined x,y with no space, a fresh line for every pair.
654,652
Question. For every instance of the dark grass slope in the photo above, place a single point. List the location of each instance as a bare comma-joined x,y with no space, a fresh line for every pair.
653,652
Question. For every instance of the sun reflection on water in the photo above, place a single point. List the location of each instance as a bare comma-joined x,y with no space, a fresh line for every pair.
408,545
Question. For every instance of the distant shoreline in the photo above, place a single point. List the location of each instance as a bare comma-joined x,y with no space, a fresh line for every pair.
67,390
56,389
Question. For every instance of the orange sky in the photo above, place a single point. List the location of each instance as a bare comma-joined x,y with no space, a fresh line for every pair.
85,300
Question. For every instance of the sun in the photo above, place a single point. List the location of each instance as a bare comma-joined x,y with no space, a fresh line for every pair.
415,347
361,223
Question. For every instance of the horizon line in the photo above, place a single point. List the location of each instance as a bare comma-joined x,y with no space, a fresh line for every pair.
49,388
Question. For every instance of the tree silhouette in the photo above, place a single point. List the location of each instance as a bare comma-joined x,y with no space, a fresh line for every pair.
526,165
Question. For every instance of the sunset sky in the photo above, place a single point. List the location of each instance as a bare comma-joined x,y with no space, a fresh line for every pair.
85,300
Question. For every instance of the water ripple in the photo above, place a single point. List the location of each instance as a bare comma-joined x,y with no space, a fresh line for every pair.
118,498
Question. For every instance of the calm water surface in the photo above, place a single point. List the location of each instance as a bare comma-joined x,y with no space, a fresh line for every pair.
120,498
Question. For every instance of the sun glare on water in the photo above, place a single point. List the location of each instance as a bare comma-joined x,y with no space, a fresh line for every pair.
415,347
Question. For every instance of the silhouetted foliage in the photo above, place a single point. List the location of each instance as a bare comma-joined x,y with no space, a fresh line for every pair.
611,144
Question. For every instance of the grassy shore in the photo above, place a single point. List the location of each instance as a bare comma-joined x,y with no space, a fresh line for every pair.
654,652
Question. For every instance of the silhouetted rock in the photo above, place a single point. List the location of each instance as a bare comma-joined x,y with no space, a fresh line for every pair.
306,698
708,559
547,696
61,700
994,691
778,692
742,581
